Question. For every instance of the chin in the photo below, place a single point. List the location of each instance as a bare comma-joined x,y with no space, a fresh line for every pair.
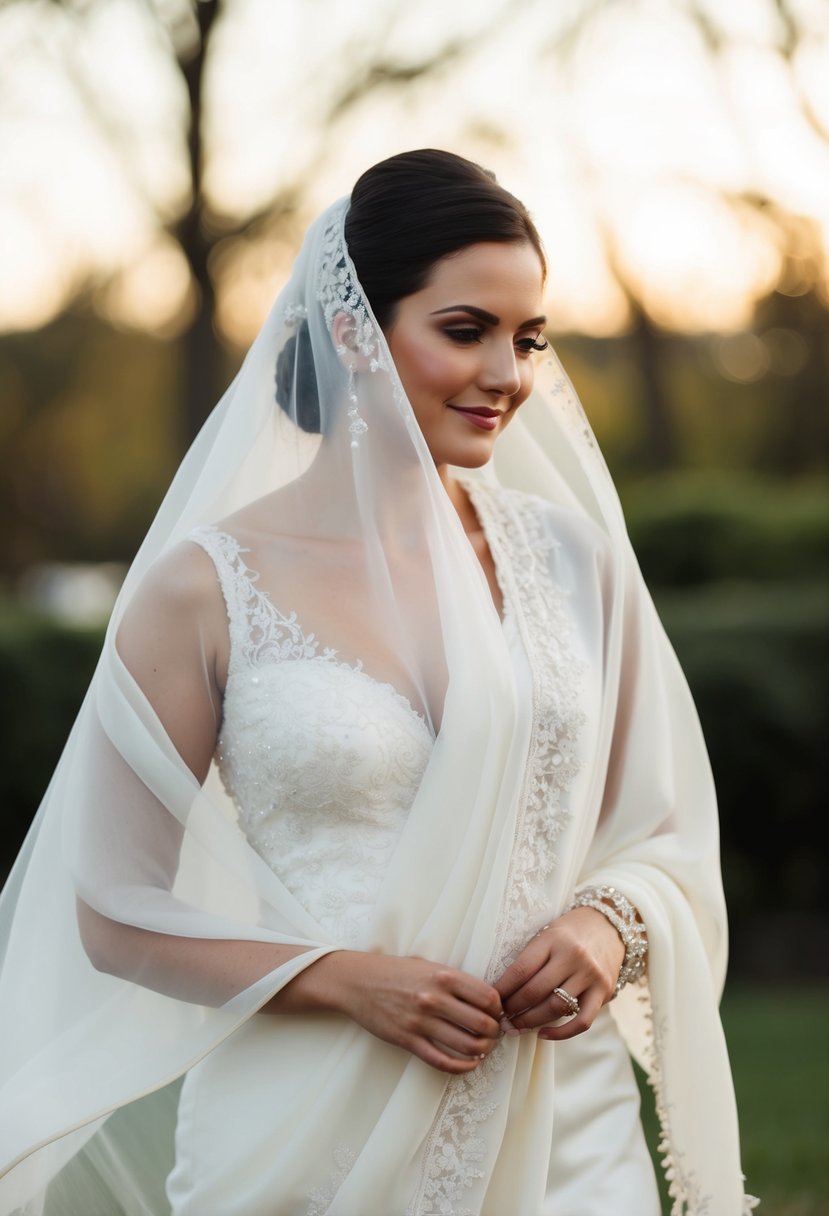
472,460
473,455
466,455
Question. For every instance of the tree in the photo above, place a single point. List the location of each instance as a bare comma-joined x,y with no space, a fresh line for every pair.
187,32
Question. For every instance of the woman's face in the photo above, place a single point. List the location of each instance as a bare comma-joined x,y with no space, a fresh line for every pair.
463,347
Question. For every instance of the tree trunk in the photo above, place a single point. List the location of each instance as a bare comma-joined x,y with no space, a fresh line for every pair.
659,439
201,368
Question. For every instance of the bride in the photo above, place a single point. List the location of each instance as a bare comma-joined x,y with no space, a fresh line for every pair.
387,822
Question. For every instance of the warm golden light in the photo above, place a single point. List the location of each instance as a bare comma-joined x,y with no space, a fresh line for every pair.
626,145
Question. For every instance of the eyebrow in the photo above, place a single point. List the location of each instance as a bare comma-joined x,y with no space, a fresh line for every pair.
488,317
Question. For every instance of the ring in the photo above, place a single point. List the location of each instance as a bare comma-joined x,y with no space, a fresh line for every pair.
573,1007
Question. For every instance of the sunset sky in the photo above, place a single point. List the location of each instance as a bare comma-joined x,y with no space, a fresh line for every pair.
634,131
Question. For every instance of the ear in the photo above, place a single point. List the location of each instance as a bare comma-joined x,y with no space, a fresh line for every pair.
343,333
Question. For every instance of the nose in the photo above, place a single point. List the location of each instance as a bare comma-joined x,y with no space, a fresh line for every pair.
499,373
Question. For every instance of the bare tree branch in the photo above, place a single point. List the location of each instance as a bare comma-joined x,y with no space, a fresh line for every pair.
114,134
792,42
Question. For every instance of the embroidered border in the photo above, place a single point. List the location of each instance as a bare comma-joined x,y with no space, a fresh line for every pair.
454,1152
683,1189
323,1196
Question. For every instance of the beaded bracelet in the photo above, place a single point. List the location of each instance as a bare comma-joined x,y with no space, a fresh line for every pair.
625,920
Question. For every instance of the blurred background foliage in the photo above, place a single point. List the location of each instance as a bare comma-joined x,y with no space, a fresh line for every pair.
708,394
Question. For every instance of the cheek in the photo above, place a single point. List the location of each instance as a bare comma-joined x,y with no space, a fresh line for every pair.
427,369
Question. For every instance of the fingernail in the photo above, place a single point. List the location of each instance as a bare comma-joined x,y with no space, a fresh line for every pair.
510,1031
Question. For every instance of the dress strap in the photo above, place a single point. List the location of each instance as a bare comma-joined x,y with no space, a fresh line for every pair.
237,583
259,632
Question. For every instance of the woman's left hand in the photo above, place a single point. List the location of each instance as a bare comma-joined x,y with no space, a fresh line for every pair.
582,954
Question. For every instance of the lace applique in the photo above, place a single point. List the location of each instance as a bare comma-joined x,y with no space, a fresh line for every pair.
520,548
322,1197
454,1151
322,762
259,632
338,290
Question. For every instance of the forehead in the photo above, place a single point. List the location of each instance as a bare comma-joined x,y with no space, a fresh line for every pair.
490,271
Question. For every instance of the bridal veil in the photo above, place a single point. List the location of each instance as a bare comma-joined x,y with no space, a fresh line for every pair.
89,1060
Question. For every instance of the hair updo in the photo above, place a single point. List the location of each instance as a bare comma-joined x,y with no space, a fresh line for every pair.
405,214
413,209
296,380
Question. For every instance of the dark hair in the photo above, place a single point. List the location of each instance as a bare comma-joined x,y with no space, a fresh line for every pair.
405,214
413,209
296,379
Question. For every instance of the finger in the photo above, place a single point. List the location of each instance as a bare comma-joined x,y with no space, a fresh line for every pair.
476,993
538,990
460,1040
472,1020
547,1005
439,998
432,1054
531,959
591,1003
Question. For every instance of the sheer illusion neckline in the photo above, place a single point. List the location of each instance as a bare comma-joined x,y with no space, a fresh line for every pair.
304,647
307,647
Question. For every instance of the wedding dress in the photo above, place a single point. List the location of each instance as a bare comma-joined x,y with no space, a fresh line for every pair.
323,763
401,771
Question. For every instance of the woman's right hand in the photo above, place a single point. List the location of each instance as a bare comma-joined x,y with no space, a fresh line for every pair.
445,1017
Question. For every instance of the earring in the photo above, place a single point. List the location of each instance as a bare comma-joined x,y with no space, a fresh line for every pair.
357,425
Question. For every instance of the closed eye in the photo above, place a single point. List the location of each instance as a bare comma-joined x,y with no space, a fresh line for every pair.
466,335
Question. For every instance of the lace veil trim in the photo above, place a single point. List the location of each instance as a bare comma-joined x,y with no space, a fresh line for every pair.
456,1149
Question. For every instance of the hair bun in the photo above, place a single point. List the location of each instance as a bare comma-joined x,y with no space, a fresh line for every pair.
296,382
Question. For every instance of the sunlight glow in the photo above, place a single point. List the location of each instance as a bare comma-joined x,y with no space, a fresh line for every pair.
154,292
705,266
637,135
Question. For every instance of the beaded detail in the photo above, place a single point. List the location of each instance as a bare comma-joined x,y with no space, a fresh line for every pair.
338,290
686,1196
293,314
625,920
520,547
322,762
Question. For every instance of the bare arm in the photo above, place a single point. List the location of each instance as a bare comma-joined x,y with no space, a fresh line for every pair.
173,640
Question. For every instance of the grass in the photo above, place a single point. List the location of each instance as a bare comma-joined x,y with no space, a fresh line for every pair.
779,1044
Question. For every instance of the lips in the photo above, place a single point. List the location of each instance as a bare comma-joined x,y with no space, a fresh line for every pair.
483,417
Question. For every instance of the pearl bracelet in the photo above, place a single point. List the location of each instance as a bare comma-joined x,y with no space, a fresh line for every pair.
625,920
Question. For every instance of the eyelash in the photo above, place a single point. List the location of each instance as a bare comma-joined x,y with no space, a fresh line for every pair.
533,344
468,335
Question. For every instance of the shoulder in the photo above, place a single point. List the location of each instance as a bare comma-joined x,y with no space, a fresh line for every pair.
183,579
178,599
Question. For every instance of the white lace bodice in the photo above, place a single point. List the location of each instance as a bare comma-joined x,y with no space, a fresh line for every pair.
323,764
322,761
